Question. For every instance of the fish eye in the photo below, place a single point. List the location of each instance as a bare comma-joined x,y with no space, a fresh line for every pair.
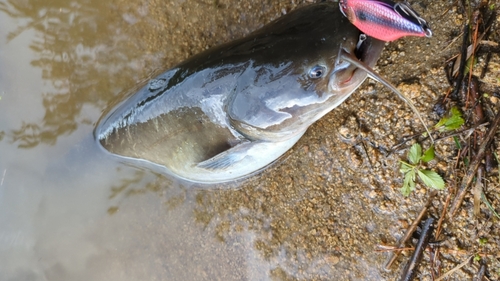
317,71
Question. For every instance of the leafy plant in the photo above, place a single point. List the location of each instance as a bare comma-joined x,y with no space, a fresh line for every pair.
451,122
477,257
412,169
482,241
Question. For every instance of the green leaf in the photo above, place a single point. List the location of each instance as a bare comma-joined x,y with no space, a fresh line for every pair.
405,167
466,161
431,179
483,241
441,123
454,111
477,258
455,120
470,63
409,183
457,142
428,154
415,153
451,122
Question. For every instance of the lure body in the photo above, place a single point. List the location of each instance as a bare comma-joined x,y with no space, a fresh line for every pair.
384,19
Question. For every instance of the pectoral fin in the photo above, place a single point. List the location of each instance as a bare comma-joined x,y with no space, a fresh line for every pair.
240,160
228,158
248,155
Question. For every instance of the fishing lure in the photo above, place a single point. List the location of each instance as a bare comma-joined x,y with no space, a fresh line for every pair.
385,20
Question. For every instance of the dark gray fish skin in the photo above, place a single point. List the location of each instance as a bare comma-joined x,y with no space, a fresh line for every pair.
230,111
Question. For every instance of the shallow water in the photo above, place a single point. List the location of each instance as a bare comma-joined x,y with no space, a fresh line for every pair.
70,211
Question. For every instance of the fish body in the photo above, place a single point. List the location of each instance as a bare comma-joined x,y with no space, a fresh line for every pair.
384,19
232,110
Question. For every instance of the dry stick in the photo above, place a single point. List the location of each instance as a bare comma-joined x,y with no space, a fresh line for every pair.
470,50
411,267
433,256
436,269
477,117
454,269
474,44
469,130
480,273
441,218
393,255
390,248
469,176
387,248
407,138
486,33
463,58
436,236
477,191
447,10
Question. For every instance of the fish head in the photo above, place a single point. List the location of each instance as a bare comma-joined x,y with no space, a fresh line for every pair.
307,78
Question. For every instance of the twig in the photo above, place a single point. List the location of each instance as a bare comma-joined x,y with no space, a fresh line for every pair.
474,165
443,214
407,138
488,204
470,50
393,255
454,269
389,248
469,130
455,39
449,8
481,271
477,191
477,20
410,268
435,267
438,232
463,58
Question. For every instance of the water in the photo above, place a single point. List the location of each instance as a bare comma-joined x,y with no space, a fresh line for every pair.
70,211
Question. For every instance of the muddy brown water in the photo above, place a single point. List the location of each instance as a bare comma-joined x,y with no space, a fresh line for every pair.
70,211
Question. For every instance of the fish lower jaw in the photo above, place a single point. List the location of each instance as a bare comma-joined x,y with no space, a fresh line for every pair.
348,85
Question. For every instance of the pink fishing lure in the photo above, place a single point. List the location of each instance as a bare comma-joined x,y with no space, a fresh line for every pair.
384,19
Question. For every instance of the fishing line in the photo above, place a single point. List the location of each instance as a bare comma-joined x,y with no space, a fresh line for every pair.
372,74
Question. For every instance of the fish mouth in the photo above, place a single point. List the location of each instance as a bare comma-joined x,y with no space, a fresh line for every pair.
345,76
